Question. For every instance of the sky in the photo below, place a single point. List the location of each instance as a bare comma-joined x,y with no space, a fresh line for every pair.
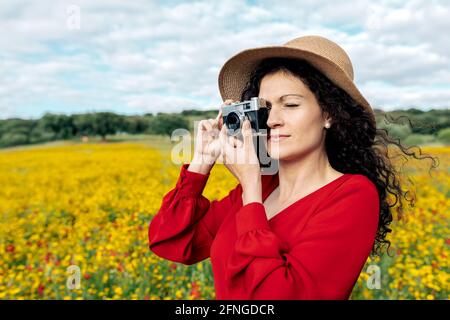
136,57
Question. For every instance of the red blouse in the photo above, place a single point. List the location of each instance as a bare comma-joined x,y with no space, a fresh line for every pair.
313,249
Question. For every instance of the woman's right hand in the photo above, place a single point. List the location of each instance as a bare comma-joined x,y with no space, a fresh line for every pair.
207,144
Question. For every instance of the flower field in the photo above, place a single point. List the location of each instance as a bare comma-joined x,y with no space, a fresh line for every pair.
89,205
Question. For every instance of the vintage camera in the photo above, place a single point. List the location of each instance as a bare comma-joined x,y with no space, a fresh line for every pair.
257,112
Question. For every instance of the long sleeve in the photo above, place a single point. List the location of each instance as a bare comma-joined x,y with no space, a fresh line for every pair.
185,225
325,260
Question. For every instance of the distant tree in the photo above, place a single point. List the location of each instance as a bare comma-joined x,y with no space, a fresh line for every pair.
39,134
414,111
444,136
2,130
425,123
395,130
13,139
84,124
136,124
53,123
16,132
164,124
191,112
60,125
67,127
105,123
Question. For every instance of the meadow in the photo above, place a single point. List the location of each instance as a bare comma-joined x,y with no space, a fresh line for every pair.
89,205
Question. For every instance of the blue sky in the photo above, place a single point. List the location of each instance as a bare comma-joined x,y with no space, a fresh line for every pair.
134,57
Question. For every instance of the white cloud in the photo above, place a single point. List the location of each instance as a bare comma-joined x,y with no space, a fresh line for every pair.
144,56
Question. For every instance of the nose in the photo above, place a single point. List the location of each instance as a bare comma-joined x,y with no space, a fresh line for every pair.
275,119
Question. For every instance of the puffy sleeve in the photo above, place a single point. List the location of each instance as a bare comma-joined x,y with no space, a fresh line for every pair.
185,225
326,258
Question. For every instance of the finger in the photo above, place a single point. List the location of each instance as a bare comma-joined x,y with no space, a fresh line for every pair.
232,141
227,102
227,143
239,143
220,158
223,136
220,120
205,125
219,115
214,123
246,125
247,131
223,144
223,131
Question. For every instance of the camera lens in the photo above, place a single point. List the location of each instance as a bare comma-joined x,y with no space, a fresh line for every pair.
233,122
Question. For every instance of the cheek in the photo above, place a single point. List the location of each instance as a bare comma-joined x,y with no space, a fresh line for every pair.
299,125
306,132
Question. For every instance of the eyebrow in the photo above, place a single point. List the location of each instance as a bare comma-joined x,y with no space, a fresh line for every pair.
286,95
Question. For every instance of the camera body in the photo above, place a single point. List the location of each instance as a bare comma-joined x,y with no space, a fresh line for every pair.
257,112
254,110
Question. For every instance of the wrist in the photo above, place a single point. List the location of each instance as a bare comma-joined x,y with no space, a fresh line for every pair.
201,164
199,158
251,193
249,198
251,184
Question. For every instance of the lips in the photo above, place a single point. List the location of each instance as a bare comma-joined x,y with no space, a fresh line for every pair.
277,137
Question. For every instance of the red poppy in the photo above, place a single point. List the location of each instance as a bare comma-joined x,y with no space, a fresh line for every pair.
48,256
195,292
41,289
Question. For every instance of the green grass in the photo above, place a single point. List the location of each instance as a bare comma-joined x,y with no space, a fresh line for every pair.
160,142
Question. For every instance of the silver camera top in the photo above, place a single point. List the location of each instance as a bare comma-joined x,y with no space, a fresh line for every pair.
249,105
235,114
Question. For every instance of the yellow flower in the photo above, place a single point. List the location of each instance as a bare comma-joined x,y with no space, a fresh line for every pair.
88,206
118,291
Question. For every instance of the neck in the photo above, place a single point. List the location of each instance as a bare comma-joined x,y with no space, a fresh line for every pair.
301,176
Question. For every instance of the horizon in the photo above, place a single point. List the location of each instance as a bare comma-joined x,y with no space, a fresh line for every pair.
376,110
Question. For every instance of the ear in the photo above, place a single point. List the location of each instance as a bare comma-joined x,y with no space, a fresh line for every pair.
327,118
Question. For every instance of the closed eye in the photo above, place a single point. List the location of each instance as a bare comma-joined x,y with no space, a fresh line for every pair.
291,105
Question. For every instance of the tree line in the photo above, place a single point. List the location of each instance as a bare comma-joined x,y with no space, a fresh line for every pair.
60,127
413,124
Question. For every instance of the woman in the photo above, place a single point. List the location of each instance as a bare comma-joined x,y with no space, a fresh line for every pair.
305,232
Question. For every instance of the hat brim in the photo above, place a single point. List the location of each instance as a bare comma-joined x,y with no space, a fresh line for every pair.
235,73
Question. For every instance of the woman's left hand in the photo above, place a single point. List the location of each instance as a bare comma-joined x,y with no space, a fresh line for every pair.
241,159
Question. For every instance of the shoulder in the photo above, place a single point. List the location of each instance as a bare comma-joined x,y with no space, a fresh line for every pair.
358,183
351,184
355,195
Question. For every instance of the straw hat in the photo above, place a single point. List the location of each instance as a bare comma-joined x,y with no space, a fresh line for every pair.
323,54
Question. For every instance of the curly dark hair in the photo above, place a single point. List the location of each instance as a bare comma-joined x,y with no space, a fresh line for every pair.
353,143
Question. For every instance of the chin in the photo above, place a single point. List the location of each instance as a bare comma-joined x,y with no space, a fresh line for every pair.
283,153
280,150
278,155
